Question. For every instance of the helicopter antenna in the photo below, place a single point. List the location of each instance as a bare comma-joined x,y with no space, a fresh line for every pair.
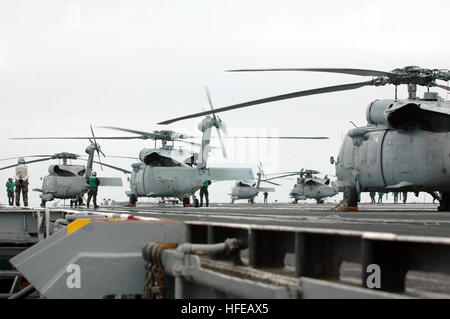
354,124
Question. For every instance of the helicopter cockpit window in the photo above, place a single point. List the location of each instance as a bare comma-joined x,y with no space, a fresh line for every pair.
411,116
154,159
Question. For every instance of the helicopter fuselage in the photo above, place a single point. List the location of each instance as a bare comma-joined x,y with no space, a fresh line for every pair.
159,175
404,147
63,182
244,192
316,190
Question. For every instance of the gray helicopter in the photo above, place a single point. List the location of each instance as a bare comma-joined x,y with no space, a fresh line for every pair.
170,172
403,147
67,181
249,190
309,185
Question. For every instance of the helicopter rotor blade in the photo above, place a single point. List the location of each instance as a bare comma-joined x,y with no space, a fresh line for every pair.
328,89
188,142
284,173
361,72
282,176
28,162
208,96
127,157
443,86
220,126
110,166
97,147
10,158
266,181
283,137
79,138
143,133
224,153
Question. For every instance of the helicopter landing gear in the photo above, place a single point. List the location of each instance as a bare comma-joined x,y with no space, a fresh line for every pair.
232,201
132,200
445,202
319,201
350,197
195,201
251,201
43,203
296,201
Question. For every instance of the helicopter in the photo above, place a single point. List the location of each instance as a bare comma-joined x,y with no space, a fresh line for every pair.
310,186
404,146
67,181
249,190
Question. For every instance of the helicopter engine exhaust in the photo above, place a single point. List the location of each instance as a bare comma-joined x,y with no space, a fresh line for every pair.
376,111
410,115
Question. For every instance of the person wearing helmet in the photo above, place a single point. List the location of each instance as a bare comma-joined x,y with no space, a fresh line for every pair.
21,182
93,183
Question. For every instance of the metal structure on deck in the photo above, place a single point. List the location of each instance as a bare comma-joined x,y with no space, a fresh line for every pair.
193,256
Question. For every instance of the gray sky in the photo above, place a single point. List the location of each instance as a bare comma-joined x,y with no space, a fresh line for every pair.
66,64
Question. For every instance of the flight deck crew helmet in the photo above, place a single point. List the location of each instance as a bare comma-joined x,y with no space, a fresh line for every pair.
21,160
93,173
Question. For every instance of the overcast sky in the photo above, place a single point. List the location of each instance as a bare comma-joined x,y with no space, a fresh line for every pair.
66,64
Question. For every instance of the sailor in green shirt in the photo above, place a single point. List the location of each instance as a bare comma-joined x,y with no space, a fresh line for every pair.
10,191
204,191
93,183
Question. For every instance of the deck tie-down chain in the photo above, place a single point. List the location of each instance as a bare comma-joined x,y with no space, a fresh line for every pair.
154,271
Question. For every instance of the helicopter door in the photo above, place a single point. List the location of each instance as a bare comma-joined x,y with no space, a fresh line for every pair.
369,161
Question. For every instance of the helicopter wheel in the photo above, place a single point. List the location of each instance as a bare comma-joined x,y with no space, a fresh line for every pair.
296,201
350,197
196,203
445,202
132,199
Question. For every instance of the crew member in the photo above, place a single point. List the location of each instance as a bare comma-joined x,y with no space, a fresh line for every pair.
380,197
327,180
301,173
372,197
204,191
10,191
93,183
266,194
396,197
405,195
21,182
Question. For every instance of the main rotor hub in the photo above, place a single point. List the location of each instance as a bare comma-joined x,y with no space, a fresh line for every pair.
65,155
417,75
